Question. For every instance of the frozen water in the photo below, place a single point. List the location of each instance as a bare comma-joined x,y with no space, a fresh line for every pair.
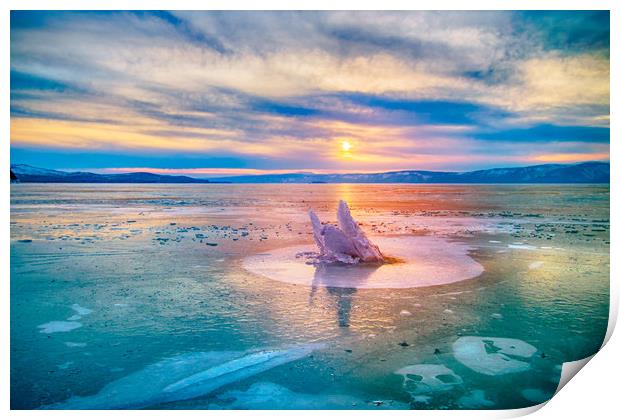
424,378
345,244
65,365
536,395
155,299
81,310
72,344
270,396
475,399
258,361
422,399
522,246
426,261
184,377
534,265
58,326
492,355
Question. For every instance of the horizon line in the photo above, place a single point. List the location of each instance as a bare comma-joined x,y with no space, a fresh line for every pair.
239,172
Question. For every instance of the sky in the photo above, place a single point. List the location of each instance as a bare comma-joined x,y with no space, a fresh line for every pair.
226,93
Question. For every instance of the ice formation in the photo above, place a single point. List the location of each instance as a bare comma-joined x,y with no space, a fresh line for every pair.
424,378
184,377
493,356
424,261
345,244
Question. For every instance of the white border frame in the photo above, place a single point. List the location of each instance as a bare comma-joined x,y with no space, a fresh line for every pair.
593,394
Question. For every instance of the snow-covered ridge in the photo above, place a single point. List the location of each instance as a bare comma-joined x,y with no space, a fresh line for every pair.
578,173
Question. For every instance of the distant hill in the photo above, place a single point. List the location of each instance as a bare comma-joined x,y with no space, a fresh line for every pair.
578,173
27,173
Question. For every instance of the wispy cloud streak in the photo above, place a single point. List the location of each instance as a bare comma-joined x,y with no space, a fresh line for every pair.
258,90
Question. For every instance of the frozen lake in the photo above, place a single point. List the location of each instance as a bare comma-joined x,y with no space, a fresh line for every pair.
135,296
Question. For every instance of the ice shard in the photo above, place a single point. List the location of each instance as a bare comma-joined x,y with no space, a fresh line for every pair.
346,243
184,377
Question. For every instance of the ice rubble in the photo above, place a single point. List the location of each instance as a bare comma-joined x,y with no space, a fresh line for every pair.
424,378
184,377
345,244
492,355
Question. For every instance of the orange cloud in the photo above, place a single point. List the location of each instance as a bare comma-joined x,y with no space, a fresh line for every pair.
568,157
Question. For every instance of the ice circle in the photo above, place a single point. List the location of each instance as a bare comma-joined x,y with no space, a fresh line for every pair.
424,261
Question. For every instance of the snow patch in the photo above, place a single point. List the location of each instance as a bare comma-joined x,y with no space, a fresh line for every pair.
58,326
81,310
493,356
425,378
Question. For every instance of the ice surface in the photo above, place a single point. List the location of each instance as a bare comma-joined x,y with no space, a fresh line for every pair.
58,326
425,378
184,377
493,355
345,244
72,344
475,399
426,261
65,365
259,361
522,246
81,310
270,396
536,395
535,265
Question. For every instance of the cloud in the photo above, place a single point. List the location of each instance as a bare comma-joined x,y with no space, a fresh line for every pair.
407,88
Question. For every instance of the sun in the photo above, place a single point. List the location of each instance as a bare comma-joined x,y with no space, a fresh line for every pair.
346,146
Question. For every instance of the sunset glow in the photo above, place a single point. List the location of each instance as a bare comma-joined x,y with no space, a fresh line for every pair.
257,92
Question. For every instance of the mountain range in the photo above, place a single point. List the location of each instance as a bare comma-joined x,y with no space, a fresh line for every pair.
578,173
